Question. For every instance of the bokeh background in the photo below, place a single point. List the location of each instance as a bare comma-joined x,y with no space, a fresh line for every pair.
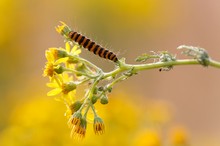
152,108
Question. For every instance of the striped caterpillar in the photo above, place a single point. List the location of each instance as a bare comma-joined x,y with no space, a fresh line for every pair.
86,43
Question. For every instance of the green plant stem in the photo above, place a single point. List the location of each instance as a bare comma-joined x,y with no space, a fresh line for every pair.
91,91
87,109
90,64
125,67
121,78
214,63
93,109
79,72
161,64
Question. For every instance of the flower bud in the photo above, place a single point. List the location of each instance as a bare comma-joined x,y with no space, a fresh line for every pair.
75,106
94,99
67,87
61,53
59,69
109,89
58,53
81,67
104,99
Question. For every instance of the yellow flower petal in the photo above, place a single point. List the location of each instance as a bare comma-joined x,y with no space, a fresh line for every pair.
74,49
67,47
61,60
60,28
52,85
67,77
54,92
72,95
77,52
49,56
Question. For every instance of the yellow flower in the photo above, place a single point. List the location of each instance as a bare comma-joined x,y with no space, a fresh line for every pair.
61,83
56,56
49,70
52,62
64,30
64,88
60,28
98,126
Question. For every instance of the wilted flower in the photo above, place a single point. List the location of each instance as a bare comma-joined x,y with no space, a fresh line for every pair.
79,130
75,119
98,126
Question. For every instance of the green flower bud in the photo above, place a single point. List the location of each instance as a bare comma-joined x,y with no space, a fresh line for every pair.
61,53
69,86
104,99
95,90
94,99
109,89
81,67
75,106
58,53
59,69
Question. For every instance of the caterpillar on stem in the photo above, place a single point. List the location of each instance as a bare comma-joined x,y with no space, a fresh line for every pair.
86,43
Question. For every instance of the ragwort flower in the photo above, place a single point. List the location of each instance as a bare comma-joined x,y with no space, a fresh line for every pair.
53,63
64,88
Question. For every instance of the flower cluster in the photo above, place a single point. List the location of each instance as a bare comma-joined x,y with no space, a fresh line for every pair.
66,71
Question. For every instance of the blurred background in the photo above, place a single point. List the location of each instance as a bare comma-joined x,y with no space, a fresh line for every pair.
152,108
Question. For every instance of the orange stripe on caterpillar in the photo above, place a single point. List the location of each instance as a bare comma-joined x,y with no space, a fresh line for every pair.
92,46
